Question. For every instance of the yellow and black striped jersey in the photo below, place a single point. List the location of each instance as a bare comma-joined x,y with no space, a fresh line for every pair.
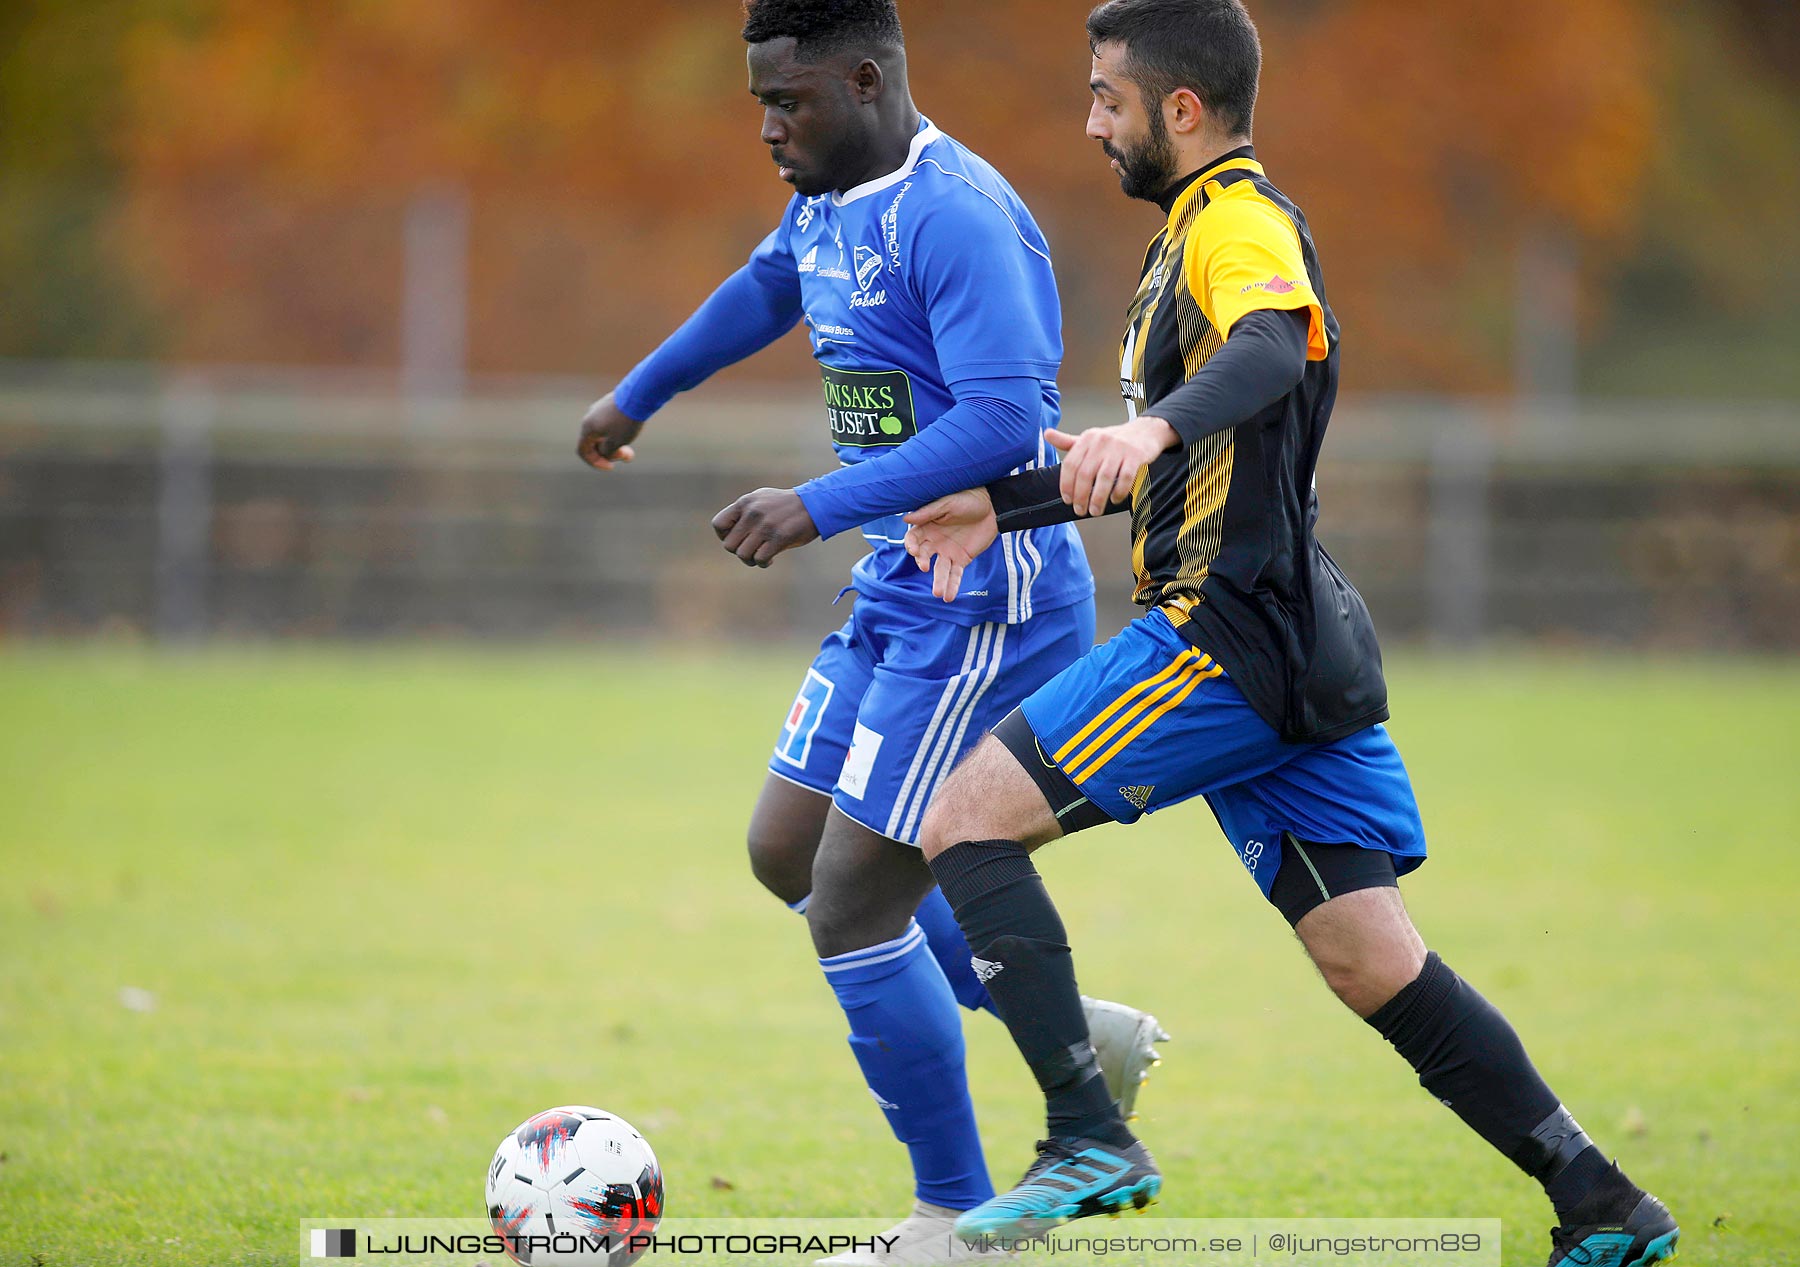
1222,529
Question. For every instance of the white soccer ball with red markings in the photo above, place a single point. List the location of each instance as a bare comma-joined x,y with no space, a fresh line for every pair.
568,1183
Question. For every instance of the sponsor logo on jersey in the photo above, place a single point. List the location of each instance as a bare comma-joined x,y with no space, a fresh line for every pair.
795,744
836,332
809,263
868,408
1276,285
859,764
890,227
807,211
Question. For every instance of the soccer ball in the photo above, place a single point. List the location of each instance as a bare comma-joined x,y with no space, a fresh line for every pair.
565,1179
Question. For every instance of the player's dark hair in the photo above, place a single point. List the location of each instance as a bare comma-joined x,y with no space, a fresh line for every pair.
1207,46
823,27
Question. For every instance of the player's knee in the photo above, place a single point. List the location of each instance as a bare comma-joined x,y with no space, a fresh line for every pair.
781,862
935,833
1344,977
839,927
951,817
1363,979
832,935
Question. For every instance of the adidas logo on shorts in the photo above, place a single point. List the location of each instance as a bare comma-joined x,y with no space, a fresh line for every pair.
1138,796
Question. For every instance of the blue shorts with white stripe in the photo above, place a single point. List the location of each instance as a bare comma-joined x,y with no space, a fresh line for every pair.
898,694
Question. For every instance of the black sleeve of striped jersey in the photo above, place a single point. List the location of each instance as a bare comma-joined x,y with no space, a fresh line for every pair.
1033,499
1262,361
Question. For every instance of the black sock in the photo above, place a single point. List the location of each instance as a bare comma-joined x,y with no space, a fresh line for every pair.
1469,1057
1021,952
1610,1199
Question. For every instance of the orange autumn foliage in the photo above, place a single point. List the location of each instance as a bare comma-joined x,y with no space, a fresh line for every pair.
610,156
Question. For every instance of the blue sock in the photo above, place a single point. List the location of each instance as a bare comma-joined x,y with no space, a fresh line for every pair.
951,950
907,1036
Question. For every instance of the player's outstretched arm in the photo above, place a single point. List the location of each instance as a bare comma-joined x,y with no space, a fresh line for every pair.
755,306
1101,464
1095,478
991,429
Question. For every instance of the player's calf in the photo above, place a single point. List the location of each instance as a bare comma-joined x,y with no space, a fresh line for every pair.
1469,1056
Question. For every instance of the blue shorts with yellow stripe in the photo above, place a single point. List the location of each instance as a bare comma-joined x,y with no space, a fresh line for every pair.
1147,721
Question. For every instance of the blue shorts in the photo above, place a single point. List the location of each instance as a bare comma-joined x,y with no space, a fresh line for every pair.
897,695
1147,721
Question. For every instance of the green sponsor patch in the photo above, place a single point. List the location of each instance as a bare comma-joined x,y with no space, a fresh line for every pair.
869,407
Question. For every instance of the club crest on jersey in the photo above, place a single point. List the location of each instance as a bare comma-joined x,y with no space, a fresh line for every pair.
868,263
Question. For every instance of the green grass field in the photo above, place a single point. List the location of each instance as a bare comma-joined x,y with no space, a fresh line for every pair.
388,904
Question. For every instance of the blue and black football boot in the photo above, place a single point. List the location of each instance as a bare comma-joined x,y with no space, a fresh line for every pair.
1646,1235
1071,1179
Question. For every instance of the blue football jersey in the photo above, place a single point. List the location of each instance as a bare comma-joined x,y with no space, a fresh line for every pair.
932,275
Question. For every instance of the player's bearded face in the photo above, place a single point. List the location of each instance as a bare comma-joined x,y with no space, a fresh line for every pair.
1146,163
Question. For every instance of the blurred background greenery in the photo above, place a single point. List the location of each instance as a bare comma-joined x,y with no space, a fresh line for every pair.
225,180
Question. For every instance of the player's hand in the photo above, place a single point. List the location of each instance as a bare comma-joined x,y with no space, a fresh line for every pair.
760,525
606,435
944,537
1101,464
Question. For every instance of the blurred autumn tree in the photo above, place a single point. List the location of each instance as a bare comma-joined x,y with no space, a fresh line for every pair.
60,66
268,149
1710,300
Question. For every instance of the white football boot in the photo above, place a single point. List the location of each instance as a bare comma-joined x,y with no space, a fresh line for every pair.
1125,1044
925,1238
